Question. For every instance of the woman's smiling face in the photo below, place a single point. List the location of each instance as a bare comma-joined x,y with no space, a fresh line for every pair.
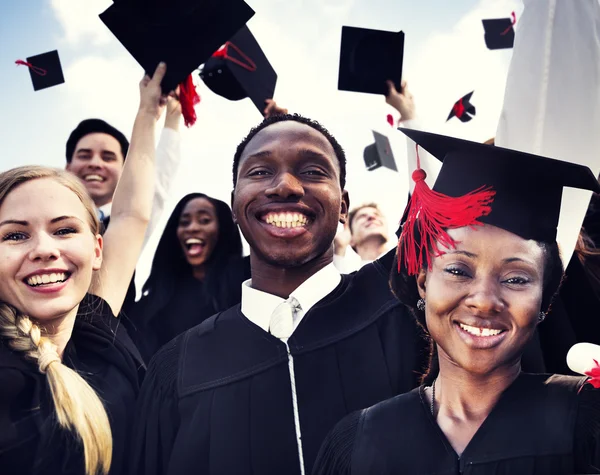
47,249
483,298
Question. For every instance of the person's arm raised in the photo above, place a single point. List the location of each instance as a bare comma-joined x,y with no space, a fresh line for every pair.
132,203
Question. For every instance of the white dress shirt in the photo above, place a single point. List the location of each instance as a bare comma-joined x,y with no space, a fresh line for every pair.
351,261
258,306
168,158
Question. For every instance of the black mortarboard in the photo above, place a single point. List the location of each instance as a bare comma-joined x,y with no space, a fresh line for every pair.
368,58
528,188
499,33
462,109
379,154
240,69
183,35
45,70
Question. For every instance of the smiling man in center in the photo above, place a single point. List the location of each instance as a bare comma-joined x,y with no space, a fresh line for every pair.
256,389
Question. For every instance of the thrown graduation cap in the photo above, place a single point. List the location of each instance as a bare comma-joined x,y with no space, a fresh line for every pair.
526,189
462,109
240,69
45,70
500,32
368,58
183,35
379,154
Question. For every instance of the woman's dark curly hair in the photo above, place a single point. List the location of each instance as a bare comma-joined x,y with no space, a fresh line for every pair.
405,289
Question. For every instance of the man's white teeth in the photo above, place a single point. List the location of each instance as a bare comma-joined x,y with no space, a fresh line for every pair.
191,241
286,220
93,178
46,278
479,331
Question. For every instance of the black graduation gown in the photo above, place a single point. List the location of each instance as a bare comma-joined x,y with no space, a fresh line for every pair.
217,399
542,425
180,304
31,442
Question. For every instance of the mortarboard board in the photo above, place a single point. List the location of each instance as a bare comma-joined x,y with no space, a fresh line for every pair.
368,58
528,188
45,70
183,36
379,154
462,109
499,32
240,69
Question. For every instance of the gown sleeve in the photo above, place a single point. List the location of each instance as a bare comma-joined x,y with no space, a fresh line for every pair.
587,431
157,417
335,455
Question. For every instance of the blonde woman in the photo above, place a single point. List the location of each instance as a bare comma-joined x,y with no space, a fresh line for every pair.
68,371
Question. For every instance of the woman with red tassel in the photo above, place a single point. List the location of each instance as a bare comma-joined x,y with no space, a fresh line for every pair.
478,267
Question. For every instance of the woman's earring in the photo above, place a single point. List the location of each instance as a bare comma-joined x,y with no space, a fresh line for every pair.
541,317
421,305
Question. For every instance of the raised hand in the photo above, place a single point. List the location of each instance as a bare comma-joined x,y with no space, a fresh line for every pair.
342,240
173,116
152,100
403,101
273,109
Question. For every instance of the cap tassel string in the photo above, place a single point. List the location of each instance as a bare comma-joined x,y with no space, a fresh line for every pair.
459,109
35,69
188,98
223,52
430,213
513,16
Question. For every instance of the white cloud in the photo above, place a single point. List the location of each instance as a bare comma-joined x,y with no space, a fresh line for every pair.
80,22
449,65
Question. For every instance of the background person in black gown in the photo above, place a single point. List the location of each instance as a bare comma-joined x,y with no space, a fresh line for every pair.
256,388
480,300
68,372
197,271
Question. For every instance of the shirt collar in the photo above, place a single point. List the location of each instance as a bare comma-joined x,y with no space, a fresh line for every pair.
258,306
106,209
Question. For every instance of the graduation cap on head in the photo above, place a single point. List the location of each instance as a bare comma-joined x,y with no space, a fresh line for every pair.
182,34
45,70
379,154
500,32
462,109
479,183
240,69
368,58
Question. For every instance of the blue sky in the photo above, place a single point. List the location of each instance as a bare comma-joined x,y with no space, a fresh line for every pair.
445,57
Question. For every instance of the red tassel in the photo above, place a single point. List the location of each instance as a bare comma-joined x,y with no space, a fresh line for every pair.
431,213
35,69
188,98
594,375
513,16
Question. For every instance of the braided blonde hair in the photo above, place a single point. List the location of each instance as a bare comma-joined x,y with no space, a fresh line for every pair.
78,407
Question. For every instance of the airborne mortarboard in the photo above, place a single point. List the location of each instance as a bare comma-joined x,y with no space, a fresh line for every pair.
240,69
499,32
462,109
183,35
369,58
379,154
528,187
45,70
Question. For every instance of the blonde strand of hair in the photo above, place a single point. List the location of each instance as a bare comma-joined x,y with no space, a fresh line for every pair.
78,407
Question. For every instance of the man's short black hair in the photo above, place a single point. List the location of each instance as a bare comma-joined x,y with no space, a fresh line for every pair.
337,148
93,126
